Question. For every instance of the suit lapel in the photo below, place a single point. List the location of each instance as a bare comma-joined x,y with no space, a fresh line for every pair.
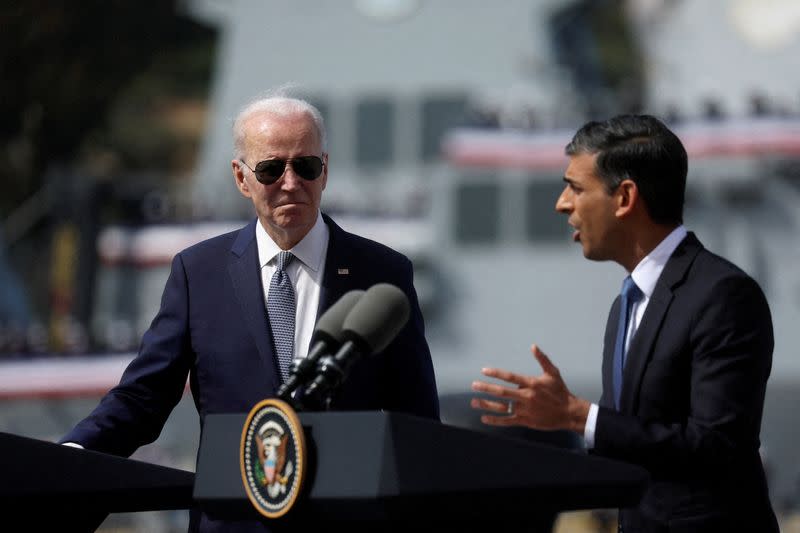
641,348
246,278
338,276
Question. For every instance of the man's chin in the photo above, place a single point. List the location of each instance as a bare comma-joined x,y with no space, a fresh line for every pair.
590,254
594,255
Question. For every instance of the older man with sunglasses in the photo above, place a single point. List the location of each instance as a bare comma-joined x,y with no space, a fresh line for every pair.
215,325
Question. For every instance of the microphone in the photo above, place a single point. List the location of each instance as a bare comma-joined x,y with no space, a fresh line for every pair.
371,325
326,339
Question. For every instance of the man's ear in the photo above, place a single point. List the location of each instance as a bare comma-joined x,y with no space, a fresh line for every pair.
627,197
238,176
324,176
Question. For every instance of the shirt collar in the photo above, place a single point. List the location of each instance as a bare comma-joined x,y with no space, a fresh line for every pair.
309,250
649,269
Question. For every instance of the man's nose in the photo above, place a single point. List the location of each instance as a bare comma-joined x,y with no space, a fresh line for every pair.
564,201
290,179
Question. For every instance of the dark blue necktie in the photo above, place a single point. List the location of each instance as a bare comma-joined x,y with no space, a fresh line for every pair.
281,310
630,294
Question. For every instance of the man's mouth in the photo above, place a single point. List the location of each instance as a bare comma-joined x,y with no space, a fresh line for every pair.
290,203
576,233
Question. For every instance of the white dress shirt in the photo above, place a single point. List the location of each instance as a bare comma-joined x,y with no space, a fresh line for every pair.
645,275
305,272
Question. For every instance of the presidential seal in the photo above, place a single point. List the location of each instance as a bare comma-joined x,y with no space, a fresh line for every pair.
272,457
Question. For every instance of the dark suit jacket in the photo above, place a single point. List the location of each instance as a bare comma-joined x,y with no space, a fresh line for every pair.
212,327
692,398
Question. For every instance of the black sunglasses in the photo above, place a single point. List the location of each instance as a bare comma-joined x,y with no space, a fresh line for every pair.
308,167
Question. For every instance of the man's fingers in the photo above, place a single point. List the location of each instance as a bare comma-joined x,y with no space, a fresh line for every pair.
505,375
492,420
489,405
489,388
497,390
547,366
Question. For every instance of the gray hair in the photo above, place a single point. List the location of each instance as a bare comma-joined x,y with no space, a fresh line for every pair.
280,102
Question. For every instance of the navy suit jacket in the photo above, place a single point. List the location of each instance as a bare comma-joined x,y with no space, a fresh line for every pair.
212,327
692,398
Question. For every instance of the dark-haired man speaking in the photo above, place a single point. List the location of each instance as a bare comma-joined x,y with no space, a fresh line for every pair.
688,343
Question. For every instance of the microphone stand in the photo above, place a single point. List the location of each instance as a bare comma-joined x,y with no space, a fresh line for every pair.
332,370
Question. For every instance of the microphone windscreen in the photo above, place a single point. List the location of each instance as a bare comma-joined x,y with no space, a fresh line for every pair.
379,316
330,323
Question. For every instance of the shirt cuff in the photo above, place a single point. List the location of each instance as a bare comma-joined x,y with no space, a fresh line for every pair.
591,425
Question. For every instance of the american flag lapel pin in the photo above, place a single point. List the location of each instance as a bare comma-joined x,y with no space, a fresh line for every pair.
343,271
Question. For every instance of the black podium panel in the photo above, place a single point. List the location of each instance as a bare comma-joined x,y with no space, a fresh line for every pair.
389,466
50,478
